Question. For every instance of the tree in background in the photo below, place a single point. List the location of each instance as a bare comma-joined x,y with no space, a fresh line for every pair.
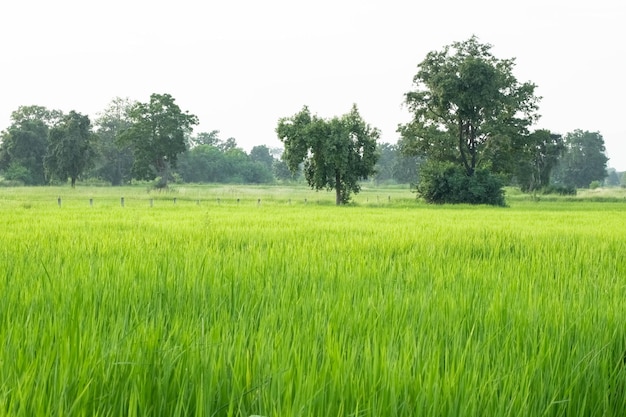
583,161
204,138
394,166
24,144
538,156
70,148
337,153
612,178
113,161
469,111
262,155
213,160
158,133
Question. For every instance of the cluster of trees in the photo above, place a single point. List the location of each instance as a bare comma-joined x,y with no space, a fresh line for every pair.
471,124
129,140
468,137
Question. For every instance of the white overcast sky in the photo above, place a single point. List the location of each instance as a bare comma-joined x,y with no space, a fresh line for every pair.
241,65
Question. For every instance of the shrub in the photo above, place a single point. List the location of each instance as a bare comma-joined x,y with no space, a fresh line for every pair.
442,183
559,189
594,184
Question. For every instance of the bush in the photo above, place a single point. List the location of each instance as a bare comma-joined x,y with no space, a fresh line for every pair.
442,183
594,184
559,189
18,173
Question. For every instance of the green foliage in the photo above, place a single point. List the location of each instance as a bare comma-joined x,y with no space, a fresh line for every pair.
157,135
595,184
261,154
537,157
612,178
70,148
113,160
447,183
559,189
468,108
24,144
282,172
584,159
224,162
19,173
337,153
395,167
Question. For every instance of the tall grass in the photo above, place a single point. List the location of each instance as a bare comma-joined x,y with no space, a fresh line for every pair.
311,310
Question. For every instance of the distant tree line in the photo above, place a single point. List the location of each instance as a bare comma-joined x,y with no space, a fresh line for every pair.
151,142
469,136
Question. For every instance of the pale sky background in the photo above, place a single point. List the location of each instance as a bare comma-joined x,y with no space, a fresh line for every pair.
241,65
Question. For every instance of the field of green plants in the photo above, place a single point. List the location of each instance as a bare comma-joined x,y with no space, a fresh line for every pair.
232,301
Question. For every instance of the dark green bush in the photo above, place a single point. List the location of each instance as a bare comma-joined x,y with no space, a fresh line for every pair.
443,183
559,189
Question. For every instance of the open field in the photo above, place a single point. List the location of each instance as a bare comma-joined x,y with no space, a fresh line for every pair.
216,307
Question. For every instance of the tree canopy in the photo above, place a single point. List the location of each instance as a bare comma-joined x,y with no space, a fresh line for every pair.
24,144
537,158
337,153
70,148
584,159
113,161
468,108
157,134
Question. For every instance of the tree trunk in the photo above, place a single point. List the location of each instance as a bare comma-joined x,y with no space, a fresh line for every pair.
338,200
73,181
462,144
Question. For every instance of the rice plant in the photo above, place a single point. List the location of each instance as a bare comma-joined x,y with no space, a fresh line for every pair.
278,309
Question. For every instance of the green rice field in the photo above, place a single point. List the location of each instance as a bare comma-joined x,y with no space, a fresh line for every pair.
235,301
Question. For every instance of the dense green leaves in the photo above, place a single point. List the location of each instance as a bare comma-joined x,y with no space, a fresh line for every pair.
114,160
468,108
157,135
395,167
445,182
24,144
584,159
213,160
537,157
70,148
336,153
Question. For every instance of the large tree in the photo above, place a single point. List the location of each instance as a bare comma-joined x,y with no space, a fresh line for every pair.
468,108
113,161
336,153
70,148
158,133
24,144
584,159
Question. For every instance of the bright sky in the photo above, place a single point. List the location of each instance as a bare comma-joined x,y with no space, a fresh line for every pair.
240,65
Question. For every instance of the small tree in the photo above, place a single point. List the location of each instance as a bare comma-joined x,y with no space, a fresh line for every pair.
337,153
70,148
